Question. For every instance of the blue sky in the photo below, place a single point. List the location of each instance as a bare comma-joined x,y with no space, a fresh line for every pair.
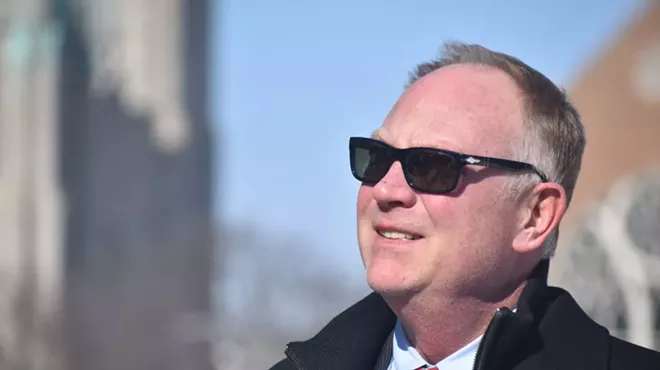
294,79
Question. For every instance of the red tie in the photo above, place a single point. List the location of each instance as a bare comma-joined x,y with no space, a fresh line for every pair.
427,368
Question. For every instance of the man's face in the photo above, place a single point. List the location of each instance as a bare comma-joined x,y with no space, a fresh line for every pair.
464,244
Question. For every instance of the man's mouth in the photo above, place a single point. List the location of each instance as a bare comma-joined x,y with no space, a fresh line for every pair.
396,235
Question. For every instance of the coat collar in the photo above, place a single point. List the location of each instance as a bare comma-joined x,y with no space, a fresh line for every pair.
548,331
351,341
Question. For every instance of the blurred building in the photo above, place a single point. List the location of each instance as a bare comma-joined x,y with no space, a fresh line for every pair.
610,249
31,198
105,185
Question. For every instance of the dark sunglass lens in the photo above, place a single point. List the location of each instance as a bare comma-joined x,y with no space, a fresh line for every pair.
431,171
370,163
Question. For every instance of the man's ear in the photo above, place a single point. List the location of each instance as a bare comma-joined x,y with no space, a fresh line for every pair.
543,209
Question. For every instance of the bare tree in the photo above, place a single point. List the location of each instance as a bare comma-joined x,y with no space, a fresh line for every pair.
614,268
274,292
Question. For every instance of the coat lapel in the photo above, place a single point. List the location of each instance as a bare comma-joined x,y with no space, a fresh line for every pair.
353,340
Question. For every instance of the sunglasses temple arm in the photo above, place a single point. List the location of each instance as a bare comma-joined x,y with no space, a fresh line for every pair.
512,166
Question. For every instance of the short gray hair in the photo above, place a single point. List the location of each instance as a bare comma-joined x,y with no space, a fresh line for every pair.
553,136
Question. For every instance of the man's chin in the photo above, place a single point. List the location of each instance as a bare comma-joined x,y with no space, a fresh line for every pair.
391,285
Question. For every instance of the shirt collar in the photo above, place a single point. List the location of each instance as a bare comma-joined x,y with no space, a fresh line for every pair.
406,357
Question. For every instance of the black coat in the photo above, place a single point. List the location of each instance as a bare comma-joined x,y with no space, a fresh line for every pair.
548,331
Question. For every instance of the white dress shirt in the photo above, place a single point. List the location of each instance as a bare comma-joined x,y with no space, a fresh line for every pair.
406,357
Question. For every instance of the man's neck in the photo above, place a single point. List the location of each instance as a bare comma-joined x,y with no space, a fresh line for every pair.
439,327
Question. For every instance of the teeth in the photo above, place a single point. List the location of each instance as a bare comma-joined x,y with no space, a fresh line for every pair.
397,235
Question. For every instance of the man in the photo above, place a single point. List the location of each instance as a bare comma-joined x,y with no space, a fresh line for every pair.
463,188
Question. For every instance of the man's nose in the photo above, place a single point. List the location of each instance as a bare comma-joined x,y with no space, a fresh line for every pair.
393,190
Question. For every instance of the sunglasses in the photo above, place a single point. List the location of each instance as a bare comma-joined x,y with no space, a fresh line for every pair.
428,170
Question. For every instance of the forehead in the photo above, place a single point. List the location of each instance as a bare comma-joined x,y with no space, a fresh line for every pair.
468,108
